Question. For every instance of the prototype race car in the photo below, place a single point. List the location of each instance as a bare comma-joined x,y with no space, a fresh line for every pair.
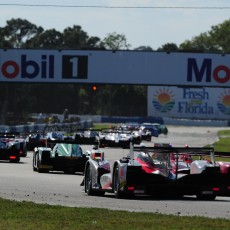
162,129
149,127
35,140
118,138
151,173
10,151
14,138
61,155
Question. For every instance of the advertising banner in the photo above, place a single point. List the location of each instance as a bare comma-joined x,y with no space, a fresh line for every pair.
184,102
115,67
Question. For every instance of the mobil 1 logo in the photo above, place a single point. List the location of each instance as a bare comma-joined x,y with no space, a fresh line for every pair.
74,66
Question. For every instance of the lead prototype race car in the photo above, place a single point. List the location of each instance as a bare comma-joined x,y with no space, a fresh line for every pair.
149,171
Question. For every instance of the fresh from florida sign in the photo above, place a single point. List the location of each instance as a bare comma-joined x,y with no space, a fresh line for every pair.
185,102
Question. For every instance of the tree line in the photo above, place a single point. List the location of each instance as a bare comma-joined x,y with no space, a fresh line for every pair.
112,100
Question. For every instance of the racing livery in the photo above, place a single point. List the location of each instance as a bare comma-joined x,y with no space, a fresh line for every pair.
150,172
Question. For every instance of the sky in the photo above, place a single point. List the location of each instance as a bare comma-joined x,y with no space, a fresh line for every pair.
143,22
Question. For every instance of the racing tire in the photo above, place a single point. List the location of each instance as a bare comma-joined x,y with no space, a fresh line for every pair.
116,184
34,168
39,170
88,182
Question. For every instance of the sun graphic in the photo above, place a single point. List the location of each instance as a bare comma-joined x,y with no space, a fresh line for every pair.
163,95
163,99
224,102
224,97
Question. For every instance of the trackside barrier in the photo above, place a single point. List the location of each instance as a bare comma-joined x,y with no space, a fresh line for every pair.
105,119
191,122
66,127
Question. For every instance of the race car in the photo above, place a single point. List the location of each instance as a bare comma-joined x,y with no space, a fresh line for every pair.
149,127
13,138
54,136
224,165
10,151
118,138
130,176
60,155
162,129
35,140
86,135
22,144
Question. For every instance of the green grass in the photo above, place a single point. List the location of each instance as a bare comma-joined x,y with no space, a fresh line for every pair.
103,125
27,215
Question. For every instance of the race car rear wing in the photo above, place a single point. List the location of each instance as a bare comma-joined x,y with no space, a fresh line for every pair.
9,134
193,151
198,151
222,154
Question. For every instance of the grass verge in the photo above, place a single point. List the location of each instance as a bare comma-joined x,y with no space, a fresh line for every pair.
27,215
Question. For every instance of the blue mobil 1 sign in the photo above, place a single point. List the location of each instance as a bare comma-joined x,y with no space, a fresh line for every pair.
185,102
114,67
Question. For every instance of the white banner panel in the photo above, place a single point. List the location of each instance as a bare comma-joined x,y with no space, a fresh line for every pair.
194,103
114,67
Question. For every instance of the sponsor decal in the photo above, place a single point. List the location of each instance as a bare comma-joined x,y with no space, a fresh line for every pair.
223,102
27,68
163,100
206,72
195,101
74,67
43,67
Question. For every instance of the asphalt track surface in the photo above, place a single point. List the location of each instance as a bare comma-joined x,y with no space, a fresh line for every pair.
19,182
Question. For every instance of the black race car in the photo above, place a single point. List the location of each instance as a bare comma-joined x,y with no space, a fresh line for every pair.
61,155
10,151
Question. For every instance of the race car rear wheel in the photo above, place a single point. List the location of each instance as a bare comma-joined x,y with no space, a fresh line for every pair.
34,168
88,182
116,184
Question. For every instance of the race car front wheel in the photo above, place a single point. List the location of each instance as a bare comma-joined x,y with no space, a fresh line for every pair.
88,185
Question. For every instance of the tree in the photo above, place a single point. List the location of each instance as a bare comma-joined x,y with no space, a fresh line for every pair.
75,37
215,40
17,32
49,39
168,47
220,36
144,48
115,41
201,43
94,43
